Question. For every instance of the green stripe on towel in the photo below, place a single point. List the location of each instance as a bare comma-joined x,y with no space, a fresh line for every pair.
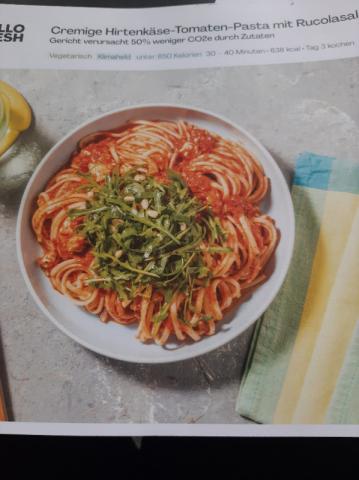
344,407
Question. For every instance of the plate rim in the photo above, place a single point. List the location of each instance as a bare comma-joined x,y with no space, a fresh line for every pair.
181,357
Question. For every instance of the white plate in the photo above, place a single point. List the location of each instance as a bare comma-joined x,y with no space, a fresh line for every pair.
119,341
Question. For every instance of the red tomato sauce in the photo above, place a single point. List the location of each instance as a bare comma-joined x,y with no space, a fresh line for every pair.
201,187
237,206
69,242
93,153
200,142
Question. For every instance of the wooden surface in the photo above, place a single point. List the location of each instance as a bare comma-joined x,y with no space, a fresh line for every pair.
3,414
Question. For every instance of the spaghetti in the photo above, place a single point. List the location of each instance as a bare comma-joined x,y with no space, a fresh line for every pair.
158,224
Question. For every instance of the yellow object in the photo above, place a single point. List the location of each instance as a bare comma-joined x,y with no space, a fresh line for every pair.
15,115
331,246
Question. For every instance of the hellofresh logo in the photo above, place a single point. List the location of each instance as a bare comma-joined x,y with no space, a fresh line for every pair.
11,33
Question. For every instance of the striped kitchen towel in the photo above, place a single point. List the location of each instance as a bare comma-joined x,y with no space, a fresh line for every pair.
303,363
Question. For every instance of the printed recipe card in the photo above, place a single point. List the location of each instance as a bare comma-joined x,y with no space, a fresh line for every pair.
179,205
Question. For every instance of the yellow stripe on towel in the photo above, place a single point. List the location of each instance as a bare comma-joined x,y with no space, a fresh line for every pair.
334,337
337,220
